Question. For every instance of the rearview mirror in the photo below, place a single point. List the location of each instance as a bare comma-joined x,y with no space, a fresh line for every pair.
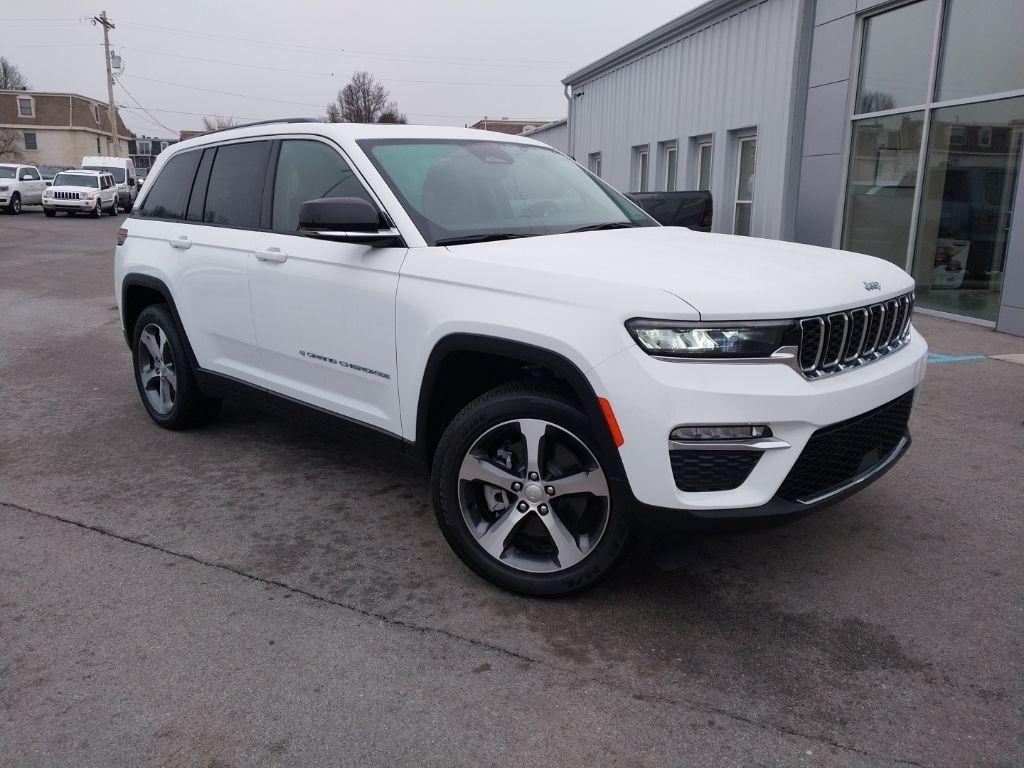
349,219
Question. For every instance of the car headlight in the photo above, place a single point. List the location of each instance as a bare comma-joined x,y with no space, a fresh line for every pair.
4,188
669,338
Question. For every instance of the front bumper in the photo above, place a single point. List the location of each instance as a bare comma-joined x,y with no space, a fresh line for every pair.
650,397
68,205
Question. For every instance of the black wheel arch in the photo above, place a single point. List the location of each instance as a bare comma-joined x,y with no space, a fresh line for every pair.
528,355
137,293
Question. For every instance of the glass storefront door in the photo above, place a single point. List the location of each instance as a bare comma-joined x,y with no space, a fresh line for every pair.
966,206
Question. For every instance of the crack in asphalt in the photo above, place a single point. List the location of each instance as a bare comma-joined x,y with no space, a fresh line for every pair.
425,629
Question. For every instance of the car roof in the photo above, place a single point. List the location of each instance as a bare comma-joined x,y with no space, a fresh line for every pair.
350,132
85,172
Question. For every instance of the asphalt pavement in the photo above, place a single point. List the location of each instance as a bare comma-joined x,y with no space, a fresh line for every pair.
256,593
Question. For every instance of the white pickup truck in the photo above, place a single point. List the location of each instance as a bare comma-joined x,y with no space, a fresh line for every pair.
20,185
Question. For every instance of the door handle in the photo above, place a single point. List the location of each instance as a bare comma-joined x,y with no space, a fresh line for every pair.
181,242
273,254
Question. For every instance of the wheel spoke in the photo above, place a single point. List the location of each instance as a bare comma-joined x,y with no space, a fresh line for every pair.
151,344
161,340
590,481
165,394
569,552
474,468
149,375
533,433
172,377
495,538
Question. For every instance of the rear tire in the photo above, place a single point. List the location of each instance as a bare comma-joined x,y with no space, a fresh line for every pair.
521,494
164,375
49,214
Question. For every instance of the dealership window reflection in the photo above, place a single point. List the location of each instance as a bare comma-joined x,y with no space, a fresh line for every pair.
967,201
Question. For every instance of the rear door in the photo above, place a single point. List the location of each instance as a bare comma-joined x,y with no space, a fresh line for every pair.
324,311
205,205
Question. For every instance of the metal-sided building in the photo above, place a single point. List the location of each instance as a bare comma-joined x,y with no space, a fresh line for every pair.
890,127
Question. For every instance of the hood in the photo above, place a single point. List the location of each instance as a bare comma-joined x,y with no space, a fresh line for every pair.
722,277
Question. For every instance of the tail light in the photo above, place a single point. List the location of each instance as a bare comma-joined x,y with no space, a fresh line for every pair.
122,235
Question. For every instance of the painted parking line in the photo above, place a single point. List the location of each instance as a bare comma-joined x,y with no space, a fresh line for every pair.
1018,359
935,357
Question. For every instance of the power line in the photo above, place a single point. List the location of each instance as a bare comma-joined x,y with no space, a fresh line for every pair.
332,74
52,45
476,61
225,93
132,97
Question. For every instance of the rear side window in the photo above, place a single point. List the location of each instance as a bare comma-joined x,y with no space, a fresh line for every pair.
310,170
168,194
235,190
198,197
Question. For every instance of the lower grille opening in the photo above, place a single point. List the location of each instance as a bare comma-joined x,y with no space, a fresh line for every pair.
695,470
838,453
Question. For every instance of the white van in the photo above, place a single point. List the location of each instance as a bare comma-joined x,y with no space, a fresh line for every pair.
123,171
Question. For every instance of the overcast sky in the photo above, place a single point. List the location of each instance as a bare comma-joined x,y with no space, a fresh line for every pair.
445,61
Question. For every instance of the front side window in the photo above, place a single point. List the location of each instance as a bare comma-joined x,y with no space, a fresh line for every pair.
76,180
896,57
168,193
468,189
30,141
235,191
29,174
309,170
745,163
26,107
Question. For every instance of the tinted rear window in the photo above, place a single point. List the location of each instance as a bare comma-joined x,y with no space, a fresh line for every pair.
168,193
236,185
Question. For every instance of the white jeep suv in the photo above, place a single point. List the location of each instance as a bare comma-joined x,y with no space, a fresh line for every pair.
577,376
92,192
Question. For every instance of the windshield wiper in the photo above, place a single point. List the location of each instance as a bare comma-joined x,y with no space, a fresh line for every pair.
609,225
461,239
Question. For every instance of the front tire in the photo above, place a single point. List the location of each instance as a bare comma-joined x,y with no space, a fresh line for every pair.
521,493
164,374
97,210
48,213
113,207
14,206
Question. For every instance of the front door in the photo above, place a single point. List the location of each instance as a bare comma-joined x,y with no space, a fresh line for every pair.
32,186
324,311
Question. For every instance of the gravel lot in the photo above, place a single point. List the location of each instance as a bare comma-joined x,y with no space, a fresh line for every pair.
258,594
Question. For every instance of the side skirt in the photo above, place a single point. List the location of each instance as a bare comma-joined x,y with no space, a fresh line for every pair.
229,388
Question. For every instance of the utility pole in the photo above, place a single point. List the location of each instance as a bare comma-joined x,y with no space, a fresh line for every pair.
108,25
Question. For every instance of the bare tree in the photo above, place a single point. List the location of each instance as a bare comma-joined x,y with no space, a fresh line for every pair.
364,100
218,123
11,78
876,101
10,147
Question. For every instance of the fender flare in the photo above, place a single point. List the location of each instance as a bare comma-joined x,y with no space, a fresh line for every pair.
136,279
561,366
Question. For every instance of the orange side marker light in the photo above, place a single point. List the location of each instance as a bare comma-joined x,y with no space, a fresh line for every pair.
613,425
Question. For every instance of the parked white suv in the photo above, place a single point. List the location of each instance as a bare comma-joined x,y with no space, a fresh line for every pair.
19,185
575,375
91,192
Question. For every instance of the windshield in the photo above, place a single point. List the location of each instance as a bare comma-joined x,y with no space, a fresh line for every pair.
117,173
467,190
6,172
76,180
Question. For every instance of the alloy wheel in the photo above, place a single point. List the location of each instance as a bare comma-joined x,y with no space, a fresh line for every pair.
533,496
157,370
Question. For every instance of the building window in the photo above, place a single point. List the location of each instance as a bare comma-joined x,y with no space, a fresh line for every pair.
701,153
641,167
30,141
142,147
746,157
96,112
98,150
668,154
594,163
26,106
931,182
163,146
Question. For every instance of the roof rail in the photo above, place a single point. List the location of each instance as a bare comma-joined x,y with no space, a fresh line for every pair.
266,122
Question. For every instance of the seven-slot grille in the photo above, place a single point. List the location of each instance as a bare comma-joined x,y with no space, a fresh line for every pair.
58,195
841,340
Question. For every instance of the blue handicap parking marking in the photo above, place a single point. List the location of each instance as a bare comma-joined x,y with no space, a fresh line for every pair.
935,357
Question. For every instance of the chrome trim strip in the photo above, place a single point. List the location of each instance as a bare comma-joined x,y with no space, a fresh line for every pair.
753,444
821,342
787,355
893,456
863,334
878,331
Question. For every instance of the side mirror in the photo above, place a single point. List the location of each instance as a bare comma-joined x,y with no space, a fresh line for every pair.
25,177
49,183
349,219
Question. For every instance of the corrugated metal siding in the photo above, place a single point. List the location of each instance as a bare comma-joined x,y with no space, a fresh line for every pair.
732,74
556,136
